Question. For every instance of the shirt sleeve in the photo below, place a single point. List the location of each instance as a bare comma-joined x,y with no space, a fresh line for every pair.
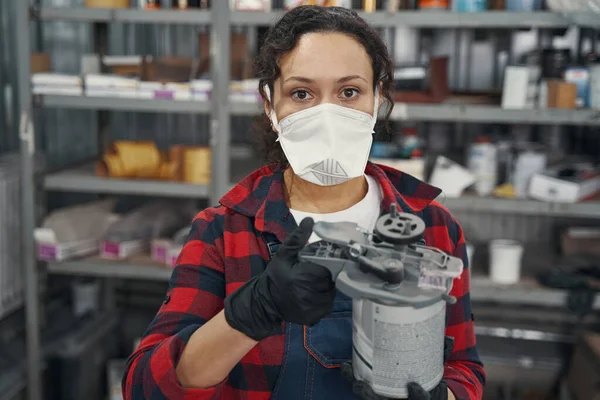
195,295
464,371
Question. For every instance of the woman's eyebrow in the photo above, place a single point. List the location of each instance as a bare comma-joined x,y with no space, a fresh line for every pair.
341,80
299,79
351,78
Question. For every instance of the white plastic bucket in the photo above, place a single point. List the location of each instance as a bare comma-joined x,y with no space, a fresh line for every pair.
505,261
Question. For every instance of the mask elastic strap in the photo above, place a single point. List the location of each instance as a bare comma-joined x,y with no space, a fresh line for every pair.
376,106
272,114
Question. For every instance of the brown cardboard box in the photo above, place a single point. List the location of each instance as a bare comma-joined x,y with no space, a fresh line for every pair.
581,241
107,3
561,94
584,374
40,62
241,62
170,69
438,88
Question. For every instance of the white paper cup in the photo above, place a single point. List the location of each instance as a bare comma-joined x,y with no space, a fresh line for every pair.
505,261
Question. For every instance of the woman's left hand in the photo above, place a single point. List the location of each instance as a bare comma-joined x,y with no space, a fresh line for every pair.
415,391
364,391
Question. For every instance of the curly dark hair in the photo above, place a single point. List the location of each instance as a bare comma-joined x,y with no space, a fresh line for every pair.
282,38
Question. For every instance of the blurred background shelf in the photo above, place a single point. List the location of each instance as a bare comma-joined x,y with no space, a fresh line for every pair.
435,19
401,112
122,104
80,14
83,180
527,292
474,203
439,19
478,113
141,268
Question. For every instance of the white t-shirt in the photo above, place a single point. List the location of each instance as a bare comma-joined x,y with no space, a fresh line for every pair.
364,213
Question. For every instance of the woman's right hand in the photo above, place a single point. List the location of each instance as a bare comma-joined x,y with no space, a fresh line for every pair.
288,290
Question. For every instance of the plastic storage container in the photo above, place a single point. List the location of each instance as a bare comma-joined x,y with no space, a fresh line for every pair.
77,369
505,261
483,163
523,5
470,5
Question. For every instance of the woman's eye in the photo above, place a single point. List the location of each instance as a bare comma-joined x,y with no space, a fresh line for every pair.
300,95
349,93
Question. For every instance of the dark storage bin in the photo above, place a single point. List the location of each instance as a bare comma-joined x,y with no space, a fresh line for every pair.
77,368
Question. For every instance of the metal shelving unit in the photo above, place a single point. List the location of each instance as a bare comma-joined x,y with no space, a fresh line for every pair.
221,109
401,112
444,19
482,289
589,209
493,114
105,269
122,104
83,180
188,17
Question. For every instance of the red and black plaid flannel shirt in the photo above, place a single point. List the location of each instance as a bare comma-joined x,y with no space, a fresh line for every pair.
226,248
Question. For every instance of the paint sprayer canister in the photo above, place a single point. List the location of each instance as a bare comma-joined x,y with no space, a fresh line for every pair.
394,346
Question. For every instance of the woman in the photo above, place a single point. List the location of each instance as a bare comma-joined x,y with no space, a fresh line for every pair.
240,305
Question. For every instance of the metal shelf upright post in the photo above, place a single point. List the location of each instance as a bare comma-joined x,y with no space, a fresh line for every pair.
28,148
220,116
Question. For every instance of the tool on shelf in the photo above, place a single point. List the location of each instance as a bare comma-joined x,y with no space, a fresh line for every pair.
399,288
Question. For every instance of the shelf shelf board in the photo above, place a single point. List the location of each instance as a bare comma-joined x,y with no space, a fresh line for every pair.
82,14
493,114
468,113
526,292
83,180
122,104
589,209
401,112
139,268
433,19
441,19
249,109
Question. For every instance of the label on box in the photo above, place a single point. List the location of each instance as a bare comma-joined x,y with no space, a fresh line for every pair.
47,252
173,255
118,250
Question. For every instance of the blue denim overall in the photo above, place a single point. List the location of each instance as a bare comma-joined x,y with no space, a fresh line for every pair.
312,355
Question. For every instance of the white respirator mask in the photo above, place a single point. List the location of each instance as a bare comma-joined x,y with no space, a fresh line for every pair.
327,144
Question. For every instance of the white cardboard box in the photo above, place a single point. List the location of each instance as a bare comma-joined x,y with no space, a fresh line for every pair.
552,187
50,249
122,250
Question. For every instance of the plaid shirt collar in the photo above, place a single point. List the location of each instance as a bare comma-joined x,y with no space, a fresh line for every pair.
261,196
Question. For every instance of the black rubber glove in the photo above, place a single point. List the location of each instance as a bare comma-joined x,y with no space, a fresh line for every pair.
288,290
364,391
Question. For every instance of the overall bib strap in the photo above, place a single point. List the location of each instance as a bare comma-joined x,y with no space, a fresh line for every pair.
312,356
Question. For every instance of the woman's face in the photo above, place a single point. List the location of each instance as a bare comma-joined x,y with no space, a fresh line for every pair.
324,68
